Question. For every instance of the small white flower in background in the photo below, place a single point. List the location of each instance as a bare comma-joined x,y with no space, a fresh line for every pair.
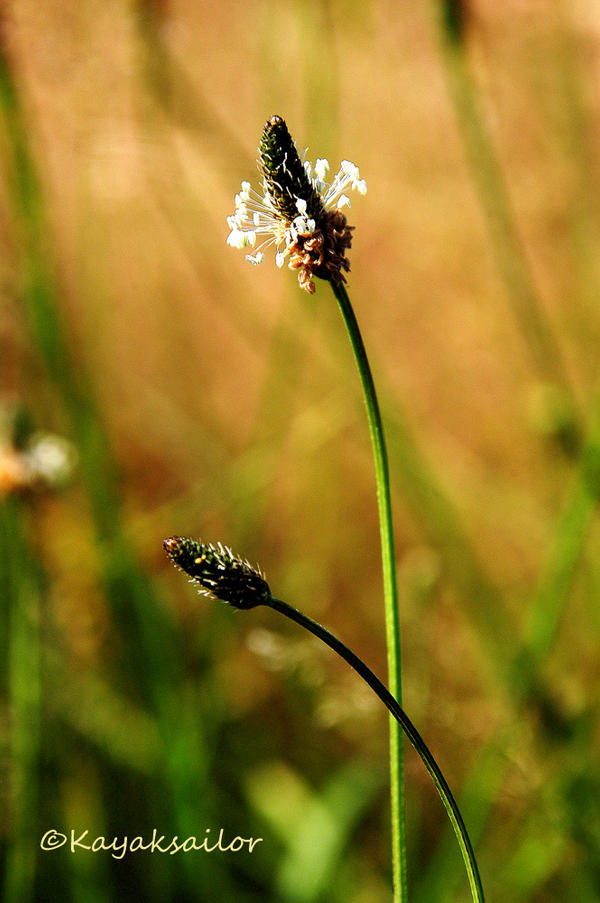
50,459
298,211
46,462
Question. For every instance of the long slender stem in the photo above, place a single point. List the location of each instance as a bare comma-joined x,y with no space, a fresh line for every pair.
409,729
490,182
22,588
564,553
388,557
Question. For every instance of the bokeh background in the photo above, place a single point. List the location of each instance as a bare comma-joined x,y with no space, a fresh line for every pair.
152,383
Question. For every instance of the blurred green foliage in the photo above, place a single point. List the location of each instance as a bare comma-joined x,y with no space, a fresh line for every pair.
207,398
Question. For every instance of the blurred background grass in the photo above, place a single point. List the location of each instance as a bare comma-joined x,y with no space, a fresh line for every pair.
205,397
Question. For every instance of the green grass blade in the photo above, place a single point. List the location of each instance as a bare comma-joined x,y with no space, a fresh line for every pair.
490,183
22,591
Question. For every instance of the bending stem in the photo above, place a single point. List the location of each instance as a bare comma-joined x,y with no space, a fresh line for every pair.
407,726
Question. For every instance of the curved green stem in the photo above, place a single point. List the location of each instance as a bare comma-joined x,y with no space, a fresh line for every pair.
388,557
409,729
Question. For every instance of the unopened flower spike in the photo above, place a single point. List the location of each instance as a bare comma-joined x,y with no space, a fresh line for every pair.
218,572
299,211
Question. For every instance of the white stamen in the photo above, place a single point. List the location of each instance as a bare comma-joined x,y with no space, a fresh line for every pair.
349,169
321,168
257,219
236,238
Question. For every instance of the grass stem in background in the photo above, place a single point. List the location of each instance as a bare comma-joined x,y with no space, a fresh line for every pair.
150,658
564,553
22,594
124,581
490,183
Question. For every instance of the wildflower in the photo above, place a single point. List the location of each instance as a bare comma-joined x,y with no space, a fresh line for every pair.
298,212
219,573
44,462
50,459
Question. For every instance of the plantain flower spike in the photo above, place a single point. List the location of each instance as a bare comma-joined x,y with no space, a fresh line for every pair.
299,211
218,573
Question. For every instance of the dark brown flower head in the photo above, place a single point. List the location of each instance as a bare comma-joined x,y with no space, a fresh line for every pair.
299,212
218,572
284,176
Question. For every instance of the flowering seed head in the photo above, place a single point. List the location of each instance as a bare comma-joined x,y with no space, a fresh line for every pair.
218,572
299,212
285,178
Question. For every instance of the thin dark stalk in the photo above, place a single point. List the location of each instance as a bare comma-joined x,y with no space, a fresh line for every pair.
407,726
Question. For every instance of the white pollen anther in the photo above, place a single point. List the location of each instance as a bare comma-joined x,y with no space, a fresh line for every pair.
321,168
236,238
